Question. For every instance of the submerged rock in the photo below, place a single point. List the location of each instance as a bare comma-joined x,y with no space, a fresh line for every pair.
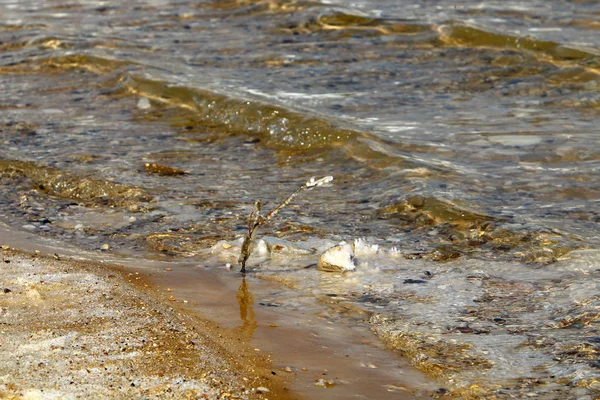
339,258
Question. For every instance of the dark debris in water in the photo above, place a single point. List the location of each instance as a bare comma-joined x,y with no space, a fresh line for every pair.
415,281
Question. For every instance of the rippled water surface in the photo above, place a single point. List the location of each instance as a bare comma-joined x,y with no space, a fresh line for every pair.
462,138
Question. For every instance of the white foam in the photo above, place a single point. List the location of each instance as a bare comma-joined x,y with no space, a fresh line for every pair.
361,248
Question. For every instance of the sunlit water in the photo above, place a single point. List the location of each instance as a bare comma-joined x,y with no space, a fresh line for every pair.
462,137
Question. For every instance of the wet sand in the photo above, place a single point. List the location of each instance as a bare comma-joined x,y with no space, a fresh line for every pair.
74,329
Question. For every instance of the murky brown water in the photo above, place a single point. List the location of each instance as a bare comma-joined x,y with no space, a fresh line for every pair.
462,139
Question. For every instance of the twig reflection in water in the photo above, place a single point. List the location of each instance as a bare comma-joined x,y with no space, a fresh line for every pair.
256,219
246,302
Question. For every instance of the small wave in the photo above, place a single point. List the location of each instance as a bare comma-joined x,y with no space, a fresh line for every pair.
92,191
454,34
345,24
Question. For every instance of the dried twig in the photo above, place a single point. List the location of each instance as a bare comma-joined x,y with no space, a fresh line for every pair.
256,219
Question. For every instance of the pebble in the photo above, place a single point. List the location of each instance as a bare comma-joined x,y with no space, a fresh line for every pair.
394,388
287,369
33,294
29,227
105,247
326,383
262,389
144,103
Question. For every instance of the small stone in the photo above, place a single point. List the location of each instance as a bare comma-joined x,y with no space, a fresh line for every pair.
325,383
105,247
7,290
144,103
34,295
171,298
29,227
394,388
339,258
262,389
5,247
287,369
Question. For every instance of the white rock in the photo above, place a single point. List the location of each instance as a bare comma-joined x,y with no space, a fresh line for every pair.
144,103
339,258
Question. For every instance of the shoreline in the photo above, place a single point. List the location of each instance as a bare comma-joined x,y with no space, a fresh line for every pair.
83,329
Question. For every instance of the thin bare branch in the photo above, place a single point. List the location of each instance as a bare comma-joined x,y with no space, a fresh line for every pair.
256,219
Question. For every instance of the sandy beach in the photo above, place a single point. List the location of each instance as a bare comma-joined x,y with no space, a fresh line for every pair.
72,329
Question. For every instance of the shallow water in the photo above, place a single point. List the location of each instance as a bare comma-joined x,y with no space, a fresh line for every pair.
462,139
